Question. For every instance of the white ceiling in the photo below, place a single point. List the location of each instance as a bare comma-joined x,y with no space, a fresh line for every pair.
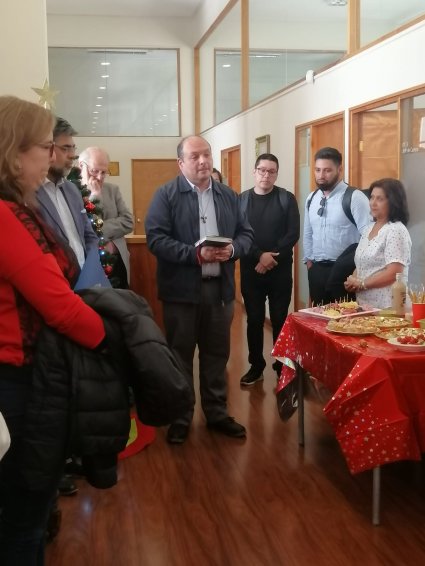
293,10
146,8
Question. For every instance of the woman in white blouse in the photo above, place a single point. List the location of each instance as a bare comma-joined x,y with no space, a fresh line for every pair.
384,248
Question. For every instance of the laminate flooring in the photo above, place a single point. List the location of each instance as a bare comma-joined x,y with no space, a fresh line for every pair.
263,501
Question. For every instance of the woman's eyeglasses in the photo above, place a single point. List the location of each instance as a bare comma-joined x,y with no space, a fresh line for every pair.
49,146
321,210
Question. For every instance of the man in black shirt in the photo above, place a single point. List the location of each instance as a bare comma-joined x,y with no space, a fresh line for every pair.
266,272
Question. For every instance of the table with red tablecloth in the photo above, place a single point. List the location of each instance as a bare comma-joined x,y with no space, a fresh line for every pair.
377,407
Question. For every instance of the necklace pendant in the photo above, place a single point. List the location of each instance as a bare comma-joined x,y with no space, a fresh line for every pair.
204,219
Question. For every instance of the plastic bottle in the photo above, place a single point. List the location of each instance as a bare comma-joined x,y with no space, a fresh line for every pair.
399,295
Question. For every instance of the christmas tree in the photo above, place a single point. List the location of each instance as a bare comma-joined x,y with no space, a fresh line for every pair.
94,213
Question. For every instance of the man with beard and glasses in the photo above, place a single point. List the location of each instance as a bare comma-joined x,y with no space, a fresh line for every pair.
62,208
61,203
328,231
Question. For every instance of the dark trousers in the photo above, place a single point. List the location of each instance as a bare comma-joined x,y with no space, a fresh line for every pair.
206,325
326,282
24,513
256,289
118,279
318,276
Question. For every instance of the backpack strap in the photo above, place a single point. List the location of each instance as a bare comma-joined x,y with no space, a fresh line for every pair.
346,202
310,199
283,199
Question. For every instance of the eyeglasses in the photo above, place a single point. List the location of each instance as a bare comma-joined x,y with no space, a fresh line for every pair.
96,172
49,146
263,172
67,148
321,210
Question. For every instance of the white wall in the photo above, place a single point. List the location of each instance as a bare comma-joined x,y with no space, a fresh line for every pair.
388,67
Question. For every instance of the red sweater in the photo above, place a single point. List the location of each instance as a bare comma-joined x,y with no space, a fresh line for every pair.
33,288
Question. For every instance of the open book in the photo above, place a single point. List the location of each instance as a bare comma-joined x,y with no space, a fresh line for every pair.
219,241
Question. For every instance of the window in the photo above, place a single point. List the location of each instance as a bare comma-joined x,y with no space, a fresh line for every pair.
117,92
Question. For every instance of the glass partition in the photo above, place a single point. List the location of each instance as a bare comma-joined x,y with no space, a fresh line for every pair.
117,92
379,17
289,38
220,82
412,166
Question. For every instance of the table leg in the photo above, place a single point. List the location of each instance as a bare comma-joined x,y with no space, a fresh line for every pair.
376,496
300,377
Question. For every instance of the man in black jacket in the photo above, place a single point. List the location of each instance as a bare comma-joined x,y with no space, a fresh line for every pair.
196,283
266,272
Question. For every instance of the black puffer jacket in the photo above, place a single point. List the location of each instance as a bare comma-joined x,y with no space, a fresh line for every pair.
79,398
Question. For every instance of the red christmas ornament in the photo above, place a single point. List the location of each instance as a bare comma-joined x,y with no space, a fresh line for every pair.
90,207
107,269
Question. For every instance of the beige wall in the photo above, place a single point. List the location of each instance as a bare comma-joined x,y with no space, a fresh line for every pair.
23,31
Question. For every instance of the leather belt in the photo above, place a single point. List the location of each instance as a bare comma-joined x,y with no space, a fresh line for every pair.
211,278
325,262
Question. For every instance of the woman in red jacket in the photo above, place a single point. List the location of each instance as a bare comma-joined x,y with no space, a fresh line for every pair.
36,274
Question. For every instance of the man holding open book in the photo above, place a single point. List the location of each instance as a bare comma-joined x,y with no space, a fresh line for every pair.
195,276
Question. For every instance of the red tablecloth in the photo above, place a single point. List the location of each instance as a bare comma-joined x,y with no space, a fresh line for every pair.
378,404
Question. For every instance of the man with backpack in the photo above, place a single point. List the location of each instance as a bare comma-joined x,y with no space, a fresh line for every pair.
335,217
266,272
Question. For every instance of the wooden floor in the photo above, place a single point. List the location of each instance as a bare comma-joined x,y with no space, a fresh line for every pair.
262,501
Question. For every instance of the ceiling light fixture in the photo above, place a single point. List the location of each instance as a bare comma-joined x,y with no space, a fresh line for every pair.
337,2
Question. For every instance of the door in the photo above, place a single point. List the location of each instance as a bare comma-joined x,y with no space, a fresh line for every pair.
147,176
375,145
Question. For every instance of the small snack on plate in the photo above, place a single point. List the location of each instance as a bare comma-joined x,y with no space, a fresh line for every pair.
335,310
391,322
387,334
412,336
355,326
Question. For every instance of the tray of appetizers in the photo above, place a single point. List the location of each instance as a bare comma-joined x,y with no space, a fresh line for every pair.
360,326
337,310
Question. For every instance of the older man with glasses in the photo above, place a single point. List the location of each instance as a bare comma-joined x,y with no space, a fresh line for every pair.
117,218
330,229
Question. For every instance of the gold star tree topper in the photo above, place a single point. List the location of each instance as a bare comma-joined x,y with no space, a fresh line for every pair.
47,95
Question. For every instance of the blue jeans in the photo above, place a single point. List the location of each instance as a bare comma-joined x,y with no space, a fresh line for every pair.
24,513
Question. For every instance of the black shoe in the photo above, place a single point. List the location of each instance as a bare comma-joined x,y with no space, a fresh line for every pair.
67,486
177,433
252,376
228,426
74,468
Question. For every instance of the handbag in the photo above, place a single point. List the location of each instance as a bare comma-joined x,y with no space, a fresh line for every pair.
287,398
4,437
